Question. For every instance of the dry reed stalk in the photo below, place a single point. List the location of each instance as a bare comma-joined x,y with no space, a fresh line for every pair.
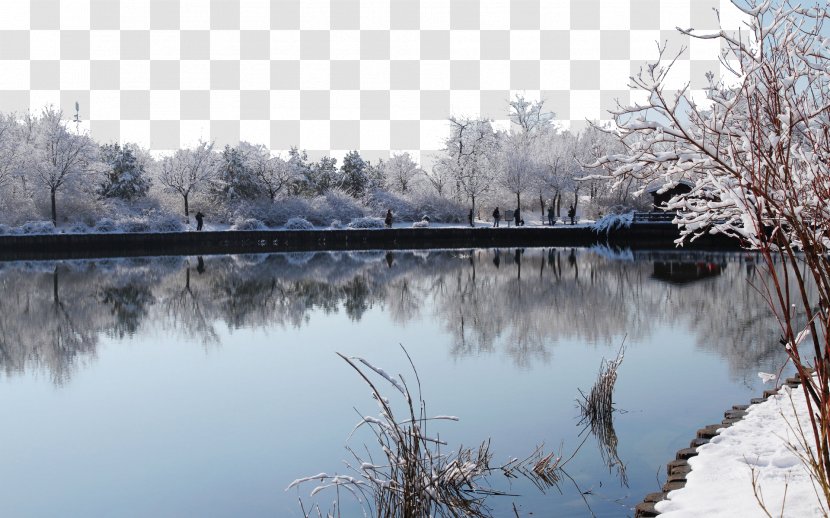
414,476
597,409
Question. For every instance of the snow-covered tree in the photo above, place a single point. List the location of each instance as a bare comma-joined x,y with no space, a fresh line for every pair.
401,172
57,156
353,177
518,167
594,142
322,176
530,117
124,175
757,150
187,171
555,158
521,167
298,160
375,173
271,172
12,150
234,180
440,176
472,148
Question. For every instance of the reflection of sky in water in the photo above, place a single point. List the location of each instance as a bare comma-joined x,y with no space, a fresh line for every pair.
225,387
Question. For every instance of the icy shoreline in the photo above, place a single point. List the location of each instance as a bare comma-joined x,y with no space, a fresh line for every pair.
760,445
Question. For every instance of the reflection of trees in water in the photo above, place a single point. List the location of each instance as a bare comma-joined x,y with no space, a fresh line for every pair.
51,314
523,303
731,319
129,304
533,298
520,302
188,308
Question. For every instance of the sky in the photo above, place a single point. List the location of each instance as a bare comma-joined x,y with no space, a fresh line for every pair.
329,76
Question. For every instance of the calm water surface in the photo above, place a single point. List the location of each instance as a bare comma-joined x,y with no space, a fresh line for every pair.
193,386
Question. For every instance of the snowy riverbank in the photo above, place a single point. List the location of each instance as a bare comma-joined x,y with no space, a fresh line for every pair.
759,445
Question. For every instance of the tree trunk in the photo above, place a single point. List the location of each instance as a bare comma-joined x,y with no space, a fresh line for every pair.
186,209
54,210
518,201
542,204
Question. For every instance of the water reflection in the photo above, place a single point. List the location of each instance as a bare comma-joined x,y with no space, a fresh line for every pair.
518,301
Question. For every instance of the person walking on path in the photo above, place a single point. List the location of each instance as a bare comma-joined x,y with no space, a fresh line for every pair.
572,213
200,219
518,217
496,217
388,219
551,217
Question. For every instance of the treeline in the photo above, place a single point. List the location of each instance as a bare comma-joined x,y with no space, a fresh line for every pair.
50,171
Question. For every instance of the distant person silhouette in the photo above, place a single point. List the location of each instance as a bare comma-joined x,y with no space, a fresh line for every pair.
496,218
200,219
572,213
388,220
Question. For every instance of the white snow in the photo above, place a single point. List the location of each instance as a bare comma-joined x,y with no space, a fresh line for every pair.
720,483
174,224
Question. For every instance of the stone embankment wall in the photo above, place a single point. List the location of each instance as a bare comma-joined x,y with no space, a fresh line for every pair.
51,246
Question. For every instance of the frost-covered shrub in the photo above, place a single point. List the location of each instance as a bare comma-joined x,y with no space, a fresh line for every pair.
336,223
298,224
367,223
403,208
106,225
424,223
277,213
439,209
168,223
78,227
335,204
37,227
248,224
18,207
138,225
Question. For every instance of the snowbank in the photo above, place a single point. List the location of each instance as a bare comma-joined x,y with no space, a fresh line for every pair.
367,223
720,483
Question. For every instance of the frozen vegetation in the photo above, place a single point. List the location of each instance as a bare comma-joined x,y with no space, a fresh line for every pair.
755,151
54,178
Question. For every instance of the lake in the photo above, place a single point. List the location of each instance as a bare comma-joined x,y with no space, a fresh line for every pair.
202,386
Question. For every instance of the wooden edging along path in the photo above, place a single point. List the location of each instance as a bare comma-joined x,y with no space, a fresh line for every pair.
55,246
677,469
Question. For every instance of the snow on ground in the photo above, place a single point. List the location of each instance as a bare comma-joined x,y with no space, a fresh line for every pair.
720,483
46,227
